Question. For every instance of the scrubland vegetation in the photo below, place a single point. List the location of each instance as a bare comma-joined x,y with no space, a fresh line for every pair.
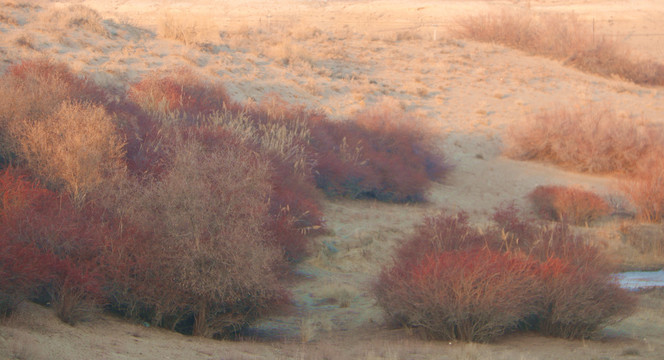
174,204
593,138
456,282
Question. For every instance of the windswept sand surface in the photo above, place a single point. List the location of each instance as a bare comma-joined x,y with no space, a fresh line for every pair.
341,57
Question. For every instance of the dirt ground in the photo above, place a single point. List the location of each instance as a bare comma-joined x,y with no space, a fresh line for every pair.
343,56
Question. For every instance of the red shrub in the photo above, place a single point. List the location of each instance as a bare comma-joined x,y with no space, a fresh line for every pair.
560,203
578,301
57,244
75,290
439,234
472,295
456,282
23,269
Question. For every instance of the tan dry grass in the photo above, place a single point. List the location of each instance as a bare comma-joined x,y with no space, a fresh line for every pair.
190,29
562,37
74,17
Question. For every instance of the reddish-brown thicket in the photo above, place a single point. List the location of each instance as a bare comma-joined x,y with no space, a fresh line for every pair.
470,295
574,205
381,154
24,267
37,222
578,300
456,282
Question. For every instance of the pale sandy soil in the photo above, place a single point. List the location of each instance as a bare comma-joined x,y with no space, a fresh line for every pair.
341,57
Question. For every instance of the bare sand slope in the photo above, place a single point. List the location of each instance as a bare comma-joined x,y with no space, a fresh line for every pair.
341,57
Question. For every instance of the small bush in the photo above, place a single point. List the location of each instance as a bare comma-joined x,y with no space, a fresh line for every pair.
574,205
76,291
579,301
473,295
441,233
563,37
589,138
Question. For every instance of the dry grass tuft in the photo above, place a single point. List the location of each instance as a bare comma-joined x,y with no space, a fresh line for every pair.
646,238
562,37
646,190
75,17
190,29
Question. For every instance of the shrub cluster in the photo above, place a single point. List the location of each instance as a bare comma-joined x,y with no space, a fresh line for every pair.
381,155
174,204
563,37
574,205
456,282
595,139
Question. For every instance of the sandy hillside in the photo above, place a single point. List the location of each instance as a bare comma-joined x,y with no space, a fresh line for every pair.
342,57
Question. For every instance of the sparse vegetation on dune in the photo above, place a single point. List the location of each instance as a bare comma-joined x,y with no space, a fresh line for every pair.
563,37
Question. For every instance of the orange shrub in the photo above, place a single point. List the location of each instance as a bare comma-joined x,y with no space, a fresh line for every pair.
590,138
574,205
76,149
